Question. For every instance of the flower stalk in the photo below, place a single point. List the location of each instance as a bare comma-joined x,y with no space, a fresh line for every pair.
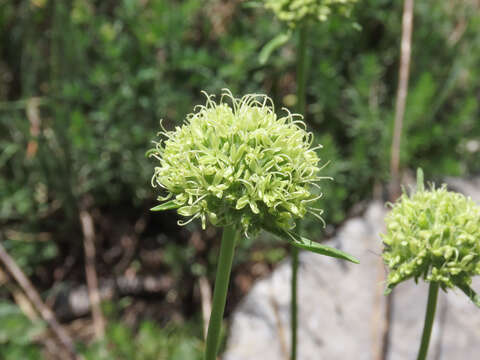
224,268
429,317
302,67
302,62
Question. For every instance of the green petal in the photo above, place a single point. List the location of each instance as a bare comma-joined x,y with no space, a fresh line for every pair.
189,210
166,206
242,202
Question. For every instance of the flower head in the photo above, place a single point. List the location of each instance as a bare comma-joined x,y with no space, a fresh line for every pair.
434,234
237,162
296,11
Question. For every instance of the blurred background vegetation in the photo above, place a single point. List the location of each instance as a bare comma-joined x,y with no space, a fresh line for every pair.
83,85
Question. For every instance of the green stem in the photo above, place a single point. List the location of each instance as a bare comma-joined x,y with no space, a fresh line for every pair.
429,316
224,267
302,60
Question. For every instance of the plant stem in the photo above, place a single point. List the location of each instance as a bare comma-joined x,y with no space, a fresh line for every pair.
302,69
429,316
301,105
222,279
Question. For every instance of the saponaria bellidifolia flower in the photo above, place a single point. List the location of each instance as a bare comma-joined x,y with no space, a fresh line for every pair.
295,11
237,162
434,234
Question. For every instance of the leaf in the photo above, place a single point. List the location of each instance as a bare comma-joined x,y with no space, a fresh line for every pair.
471,294
8,151
166,206
307,244
16,327
271,46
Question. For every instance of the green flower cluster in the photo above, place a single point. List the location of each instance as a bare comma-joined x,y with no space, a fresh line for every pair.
236,163
433,234
296,11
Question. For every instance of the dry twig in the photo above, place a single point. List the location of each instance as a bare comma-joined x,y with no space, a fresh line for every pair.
402,91
33,115
91,273
394,191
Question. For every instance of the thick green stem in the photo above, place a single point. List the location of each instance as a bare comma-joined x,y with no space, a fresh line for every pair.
222,279
429,317
301,105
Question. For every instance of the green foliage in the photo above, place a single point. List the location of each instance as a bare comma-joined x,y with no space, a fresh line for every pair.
103,93
355,102
18,334
150,342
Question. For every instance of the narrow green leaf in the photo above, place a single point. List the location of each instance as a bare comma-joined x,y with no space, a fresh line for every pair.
307,244
471,294
271,46
166,206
